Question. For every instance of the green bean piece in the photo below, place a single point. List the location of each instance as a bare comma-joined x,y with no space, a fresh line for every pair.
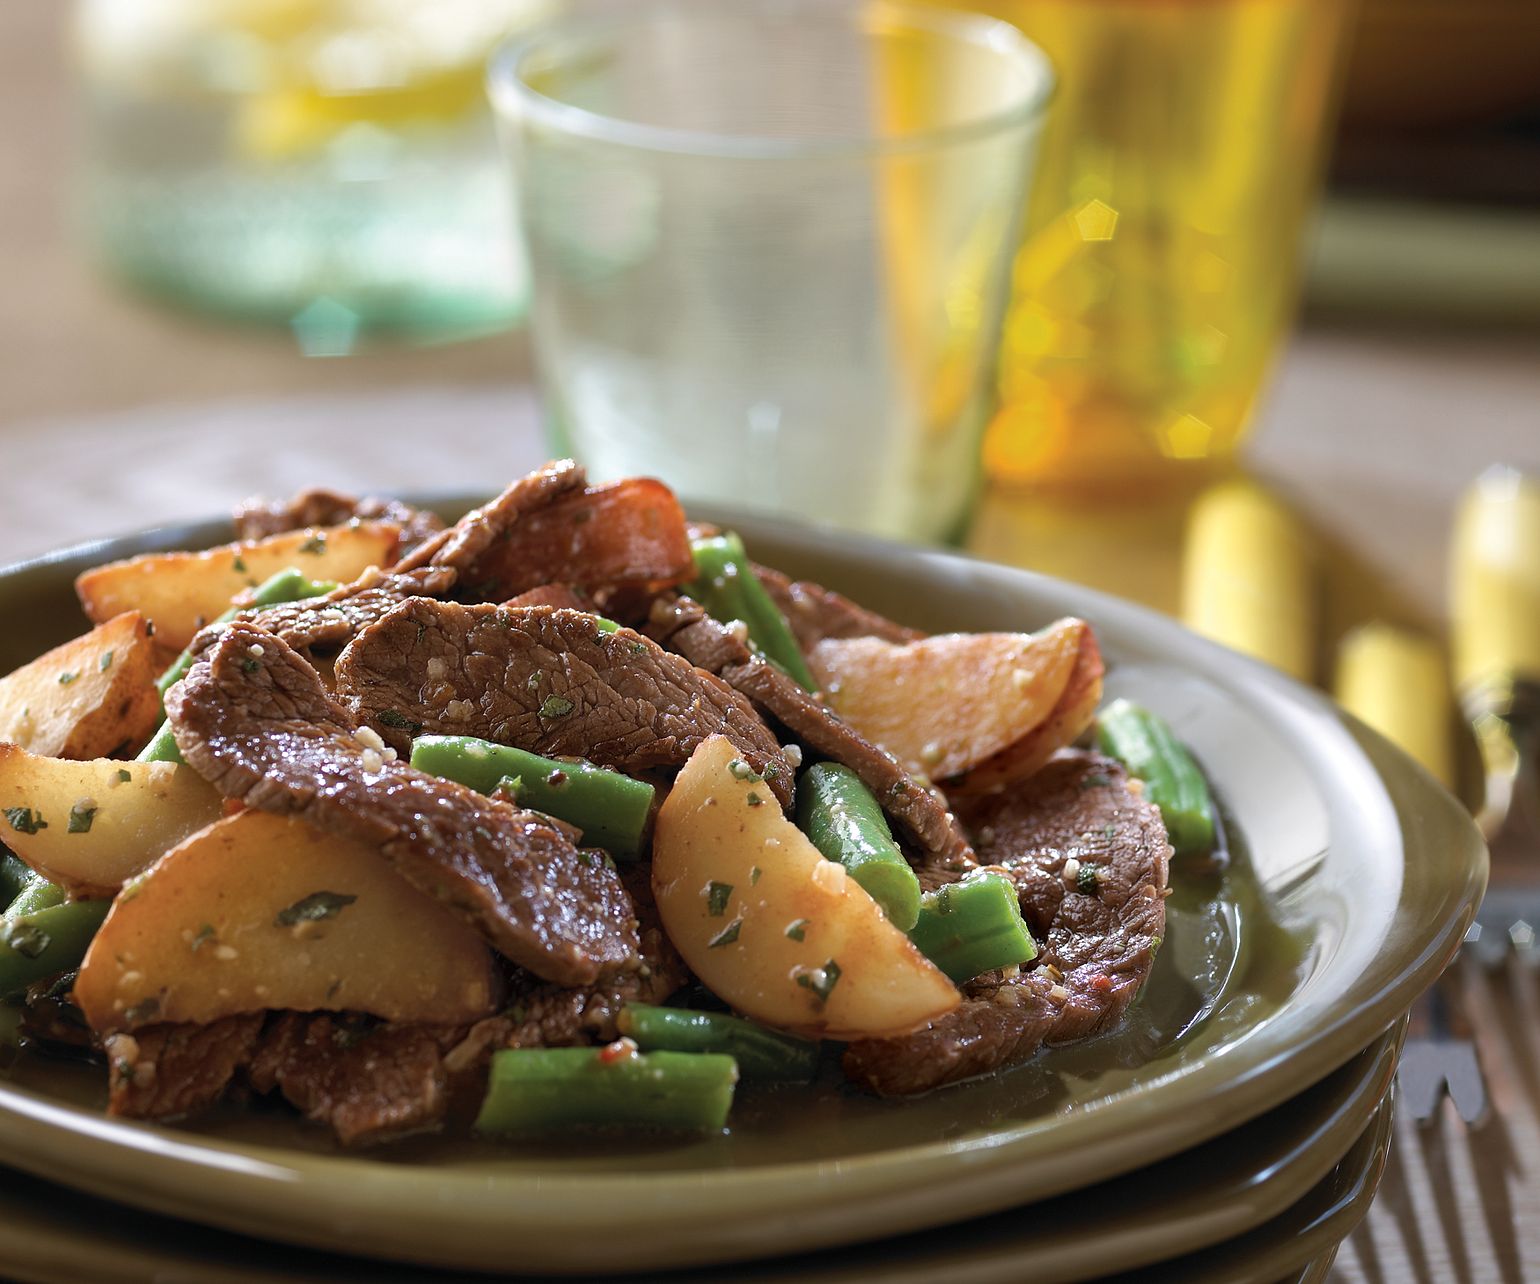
845,823
551,1089
973,926
47,941
1144,743
162,747
37,894
725,584
15,874
285,586
610,809
760,1053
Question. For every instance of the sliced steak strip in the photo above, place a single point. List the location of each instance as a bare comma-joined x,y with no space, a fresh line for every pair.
482,528
171,1071
684,625
252,717
547,680
816,613
369,1085
1096,946
546,1016
259,518
563,595
328,623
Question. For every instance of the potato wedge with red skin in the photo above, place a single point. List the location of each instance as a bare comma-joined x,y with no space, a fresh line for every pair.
88,697
628,532
93,825
261,912
945,704
182,592
771,927
1075,712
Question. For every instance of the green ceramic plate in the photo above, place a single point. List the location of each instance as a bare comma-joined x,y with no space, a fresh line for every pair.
1230,1187
1354,883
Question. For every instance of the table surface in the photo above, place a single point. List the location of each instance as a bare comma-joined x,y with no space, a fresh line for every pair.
113,414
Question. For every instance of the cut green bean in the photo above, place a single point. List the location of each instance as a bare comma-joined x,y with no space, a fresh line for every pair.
47,941
610,809
162,747
725,584
845,823
1144,743
973,926
760,1053
550,1089
15,874
37,894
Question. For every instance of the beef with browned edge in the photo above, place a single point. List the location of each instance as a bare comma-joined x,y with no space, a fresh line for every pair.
259,518
170,1071
548,680
252,717
1097,923
816,613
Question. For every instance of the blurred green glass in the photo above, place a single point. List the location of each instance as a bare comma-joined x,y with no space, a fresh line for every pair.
326,164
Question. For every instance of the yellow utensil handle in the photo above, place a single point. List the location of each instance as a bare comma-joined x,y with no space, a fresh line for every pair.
1397,682
1248,577
1495,583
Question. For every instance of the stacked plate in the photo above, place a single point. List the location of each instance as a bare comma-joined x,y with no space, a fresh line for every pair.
1234,1127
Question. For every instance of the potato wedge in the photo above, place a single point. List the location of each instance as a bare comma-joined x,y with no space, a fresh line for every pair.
182,592
769,925
1070,717
87,697
260,911
90,826
946,704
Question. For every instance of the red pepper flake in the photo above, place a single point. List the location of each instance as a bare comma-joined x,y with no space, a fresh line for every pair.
620,1050
1102,984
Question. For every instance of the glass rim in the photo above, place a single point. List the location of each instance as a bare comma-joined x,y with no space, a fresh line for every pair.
511,95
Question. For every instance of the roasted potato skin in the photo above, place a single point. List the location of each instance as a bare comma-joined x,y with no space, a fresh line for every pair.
91,826
88,697
767,924
182,592
258,912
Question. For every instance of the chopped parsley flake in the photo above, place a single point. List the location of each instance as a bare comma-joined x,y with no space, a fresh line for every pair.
316,544
105,662
390,718
203,936
27,939
145,1011
81,816
248,665
727,935
238,565
754,874
1095,779
797,931
741,770
125,775
717,896
555,706
533,681
755,800
314,908
820,980
1088,879
66,678
24,820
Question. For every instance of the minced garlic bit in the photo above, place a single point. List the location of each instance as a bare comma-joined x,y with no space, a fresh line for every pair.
224,953
437,667
1021,679
793,755
373,760
256,651
738,631
1071,871
161,773
1011,972
1059,994
369,738
931,754
459,710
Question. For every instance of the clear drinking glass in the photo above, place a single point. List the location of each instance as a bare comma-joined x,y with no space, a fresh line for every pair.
761,273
